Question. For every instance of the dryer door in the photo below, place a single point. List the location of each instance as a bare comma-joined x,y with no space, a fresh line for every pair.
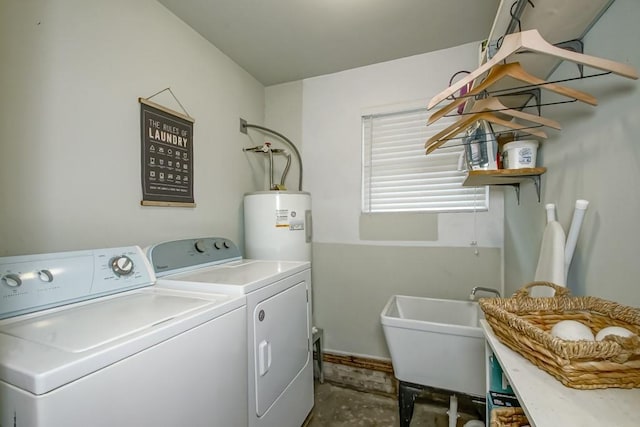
281,342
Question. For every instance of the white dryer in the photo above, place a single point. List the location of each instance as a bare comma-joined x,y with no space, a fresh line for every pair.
279,362
86,340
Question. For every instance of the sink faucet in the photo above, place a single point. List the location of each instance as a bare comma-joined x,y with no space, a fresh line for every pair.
472,296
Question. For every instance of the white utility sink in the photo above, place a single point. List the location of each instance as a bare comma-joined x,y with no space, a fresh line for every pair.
436,342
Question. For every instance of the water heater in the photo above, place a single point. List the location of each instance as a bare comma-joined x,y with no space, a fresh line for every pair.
277,225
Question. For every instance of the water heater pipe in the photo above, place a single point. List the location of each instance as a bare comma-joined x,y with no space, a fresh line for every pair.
270,169
266,149
243,128
286,168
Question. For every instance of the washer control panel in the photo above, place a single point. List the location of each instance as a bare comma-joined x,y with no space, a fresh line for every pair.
180,255
31,283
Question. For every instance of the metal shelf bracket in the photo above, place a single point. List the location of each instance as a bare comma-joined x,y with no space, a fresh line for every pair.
536,182
516,187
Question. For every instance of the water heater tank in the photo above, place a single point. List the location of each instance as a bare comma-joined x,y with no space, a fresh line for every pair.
277,225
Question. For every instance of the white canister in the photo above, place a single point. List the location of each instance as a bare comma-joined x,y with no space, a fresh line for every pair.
520,154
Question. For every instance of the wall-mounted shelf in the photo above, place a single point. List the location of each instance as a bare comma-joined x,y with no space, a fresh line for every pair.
511,177
555,21
547,34
548,403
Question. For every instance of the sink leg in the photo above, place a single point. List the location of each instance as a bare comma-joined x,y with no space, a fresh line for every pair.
406,399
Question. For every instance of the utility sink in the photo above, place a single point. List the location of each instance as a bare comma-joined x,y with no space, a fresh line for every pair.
436,342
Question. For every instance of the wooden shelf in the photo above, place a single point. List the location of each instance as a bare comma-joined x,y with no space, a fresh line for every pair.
570,21
548,403
511,177
501,176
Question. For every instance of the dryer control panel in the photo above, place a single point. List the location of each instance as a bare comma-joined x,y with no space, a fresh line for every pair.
182,255
31,283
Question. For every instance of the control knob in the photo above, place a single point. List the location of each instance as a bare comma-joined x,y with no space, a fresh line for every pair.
200,246
221,244
45,275
122,265
12,280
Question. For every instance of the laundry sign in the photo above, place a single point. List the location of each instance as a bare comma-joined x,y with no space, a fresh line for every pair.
167,156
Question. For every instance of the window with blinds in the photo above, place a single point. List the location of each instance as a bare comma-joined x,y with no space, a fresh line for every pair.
399,177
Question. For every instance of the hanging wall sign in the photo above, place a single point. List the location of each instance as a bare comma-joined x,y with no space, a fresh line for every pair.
167,156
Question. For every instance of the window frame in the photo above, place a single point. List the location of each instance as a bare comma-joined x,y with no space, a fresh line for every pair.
476,199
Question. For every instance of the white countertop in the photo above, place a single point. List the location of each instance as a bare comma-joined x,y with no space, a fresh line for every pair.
548,403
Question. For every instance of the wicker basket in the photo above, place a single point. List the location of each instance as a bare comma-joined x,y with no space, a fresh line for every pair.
523,323
508,417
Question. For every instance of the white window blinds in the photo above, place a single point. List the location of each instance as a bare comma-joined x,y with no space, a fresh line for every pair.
399,177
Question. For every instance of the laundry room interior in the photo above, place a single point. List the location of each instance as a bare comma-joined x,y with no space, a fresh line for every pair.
73,75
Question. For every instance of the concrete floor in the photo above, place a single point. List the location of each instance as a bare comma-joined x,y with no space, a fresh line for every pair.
341,407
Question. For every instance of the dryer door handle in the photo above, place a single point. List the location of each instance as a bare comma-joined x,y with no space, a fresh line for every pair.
264,357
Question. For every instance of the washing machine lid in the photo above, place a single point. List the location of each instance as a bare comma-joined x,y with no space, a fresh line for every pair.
41,352
237,277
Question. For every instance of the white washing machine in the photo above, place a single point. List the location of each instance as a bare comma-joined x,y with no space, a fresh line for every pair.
279,363
86,340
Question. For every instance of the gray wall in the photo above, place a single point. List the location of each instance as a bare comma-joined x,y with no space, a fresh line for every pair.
356,269
595,157
352,283
284,115
70,78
